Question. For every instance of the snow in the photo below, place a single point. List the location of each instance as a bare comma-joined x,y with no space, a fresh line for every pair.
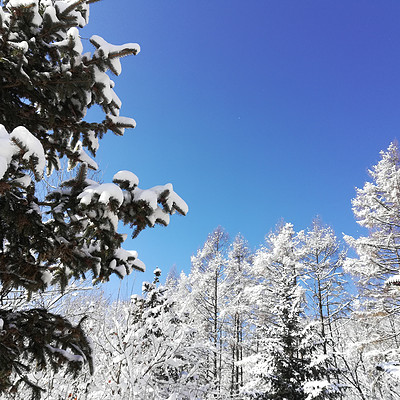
113,218
80,20
172,199
159,215
72,36
109,191
25,181
61,5
105,191
122,121
32,4
121,270
107,49
112,264
129,258
51,12
84,157
21,3
393,368
7,150
46,277
149,196
112,52
32,145
315,388
73,33
23,46
126,176
66,354
93,140
29,143
139,265
104,80
125,255
88,99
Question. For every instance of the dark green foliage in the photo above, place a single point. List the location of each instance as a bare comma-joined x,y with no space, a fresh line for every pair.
35,338
290,363
47,85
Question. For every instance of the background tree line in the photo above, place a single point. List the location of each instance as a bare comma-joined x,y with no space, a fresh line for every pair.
284,321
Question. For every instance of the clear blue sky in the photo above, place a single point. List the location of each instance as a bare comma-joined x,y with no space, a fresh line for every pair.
254,110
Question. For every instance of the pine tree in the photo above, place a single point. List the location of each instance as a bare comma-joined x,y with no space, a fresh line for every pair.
47,85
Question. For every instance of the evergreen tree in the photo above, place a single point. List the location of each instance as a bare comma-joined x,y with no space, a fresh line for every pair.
286,365
47,85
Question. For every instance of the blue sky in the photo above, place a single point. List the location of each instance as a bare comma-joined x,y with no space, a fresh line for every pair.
255,111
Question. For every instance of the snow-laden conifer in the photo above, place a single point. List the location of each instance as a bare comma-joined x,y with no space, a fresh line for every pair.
47,85
288,363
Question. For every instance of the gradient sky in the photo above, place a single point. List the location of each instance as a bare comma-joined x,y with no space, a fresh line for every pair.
255,110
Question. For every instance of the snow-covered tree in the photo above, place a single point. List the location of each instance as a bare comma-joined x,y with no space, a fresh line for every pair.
47,86
377,208
145,349
327,299
288,363
238,310
368,355
367,348
207,292
377,265
77,301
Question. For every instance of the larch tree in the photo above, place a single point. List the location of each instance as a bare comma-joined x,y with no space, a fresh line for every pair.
238,310
207,291
377,263
47,86
322,258
377,208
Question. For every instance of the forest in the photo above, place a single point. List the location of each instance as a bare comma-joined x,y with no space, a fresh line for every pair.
307,315
284,322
